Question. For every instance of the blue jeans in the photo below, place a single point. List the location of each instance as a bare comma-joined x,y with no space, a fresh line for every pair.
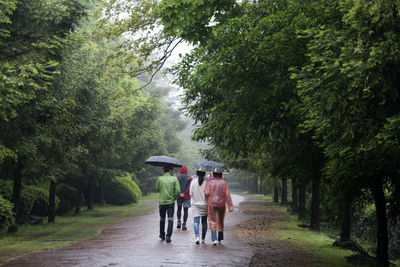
203,226
213,235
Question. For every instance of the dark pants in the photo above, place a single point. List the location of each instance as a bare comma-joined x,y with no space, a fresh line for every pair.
166,210
179,212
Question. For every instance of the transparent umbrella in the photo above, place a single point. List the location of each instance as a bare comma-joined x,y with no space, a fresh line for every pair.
212,166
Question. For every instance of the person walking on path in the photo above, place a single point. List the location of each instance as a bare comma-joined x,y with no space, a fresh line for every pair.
219,197
169,189
199,205
184,197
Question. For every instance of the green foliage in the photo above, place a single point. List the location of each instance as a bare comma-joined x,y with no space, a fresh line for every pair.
350,92
198,14
34,198
6,187
67,196
122,190
6,214
34,30
41,199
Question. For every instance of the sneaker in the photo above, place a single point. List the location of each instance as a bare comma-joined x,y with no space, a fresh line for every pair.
168,239
184,226
215,242
219,242
162,237
203,241
179,224
197,240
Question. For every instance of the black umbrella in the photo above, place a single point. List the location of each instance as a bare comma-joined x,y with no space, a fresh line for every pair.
213,166
163,161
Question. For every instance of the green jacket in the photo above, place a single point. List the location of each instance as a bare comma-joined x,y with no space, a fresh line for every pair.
168,187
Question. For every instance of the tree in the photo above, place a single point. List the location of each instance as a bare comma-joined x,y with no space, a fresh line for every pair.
36,31
351,91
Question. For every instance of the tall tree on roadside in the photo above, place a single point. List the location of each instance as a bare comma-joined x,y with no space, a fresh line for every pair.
351,90
32,33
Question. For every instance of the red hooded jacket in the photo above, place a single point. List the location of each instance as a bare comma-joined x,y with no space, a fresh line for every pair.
184,182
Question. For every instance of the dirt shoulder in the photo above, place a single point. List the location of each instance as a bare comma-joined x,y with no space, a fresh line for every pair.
261,232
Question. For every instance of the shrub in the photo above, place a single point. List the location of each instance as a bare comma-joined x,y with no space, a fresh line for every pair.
40,195
6,187
34,199
147,185
67,195
6,214
121,191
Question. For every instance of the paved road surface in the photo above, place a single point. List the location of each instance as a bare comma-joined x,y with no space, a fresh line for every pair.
135,242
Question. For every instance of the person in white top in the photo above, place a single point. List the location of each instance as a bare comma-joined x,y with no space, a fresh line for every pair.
199,205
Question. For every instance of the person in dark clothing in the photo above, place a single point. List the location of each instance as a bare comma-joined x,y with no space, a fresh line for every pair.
184,197
168,188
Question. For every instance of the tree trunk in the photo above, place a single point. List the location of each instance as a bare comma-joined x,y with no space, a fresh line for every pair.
265,191
345,219
52,202
315,201
90,200
381,219
302,202
78,200
276,194
101,187
284,192
295,197
255,185
16,194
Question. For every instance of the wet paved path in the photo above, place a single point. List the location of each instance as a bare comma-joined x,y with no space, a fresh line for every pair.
135,242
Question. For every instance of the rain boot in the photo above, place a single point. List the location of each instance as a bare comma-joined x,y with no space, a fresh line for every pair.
220,237
162,230
169,230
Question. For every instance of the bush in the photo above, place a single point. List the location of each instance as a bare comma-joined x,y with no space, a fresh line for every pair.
40,195
6,213
34,199
148,185
121,191
67,195
6,187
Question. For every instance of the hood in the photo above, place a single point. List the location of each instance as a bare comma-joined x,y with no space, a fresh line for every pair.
184,169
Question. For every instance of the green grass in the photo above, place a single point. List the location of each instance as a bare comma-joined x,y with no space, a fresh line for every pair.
314,242
317,243
69,229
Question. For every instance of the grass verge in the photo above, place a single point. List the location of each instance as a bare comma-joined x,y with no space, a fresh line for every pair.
314,242
69,229
317,243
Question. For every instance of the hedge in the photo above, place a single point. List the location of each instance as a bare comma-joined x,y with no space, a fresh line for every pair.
41,199
121,190
6,213
67,195
34,199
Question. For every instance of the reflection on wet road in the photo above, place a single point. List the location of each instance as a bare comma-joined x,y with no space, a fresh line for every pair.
135,242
